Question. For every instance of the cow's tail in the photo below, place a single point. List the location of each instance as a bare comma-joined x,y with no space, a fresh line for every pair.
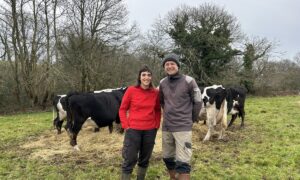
229,100
68,109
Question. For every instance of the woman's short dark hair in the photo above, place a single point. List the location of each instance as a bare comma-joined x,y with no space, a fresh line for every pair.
143,69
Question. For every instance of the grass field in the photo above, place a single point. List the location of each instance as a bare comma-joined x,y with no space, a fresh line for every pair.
267,148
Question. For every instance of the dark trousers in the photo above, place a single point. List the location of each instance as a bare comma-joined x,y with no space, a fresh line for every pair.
137,147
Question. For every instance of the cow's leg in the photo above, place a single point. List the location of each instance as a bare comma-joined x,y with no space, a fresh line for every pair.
73,137
67,126
58,124
223,128
223,118
243,117
110,128
74,130
211,118
96,129
55,122
215,118
209,132
233,117
69,129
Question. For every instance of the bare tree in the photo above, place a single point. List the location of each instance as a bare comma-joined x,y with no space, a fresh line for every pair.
95,30
279,78
28,46
255,55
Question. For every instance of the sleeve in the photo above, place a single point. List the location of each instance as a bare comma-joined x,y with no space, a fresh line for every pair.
125,105
157,111
161,97
197,100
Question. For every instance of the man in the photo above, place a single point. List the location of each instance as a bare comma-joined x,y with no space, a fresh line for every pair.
181,101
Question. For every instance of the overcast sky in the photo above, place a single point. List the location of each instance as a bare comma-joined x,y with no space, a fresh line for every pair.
277,20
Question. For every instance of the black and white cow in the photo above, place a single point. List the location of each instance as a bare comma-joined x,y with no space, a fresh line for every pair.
214,100
59,105
236,104
102,108
219,102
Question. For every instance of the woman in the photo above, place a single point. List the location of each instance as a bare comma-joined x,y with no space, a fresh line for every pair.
140,117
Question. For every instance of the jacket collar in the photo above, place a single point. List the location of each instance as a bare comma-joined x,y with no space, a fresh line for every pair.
175,76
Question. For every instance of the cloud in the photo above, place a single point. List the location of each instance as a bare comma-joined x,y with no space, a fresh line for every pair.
274,19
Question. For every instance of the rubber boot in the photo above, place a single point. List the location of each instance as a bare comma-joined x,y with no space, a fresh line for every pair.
141,173
125,176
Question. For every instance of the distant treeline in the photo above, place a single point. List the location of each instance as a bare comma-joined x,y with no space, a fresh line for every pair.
52,47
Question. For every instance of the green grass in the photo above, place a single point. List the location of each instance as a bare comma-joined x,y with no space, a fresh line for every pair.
267,148
15,128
